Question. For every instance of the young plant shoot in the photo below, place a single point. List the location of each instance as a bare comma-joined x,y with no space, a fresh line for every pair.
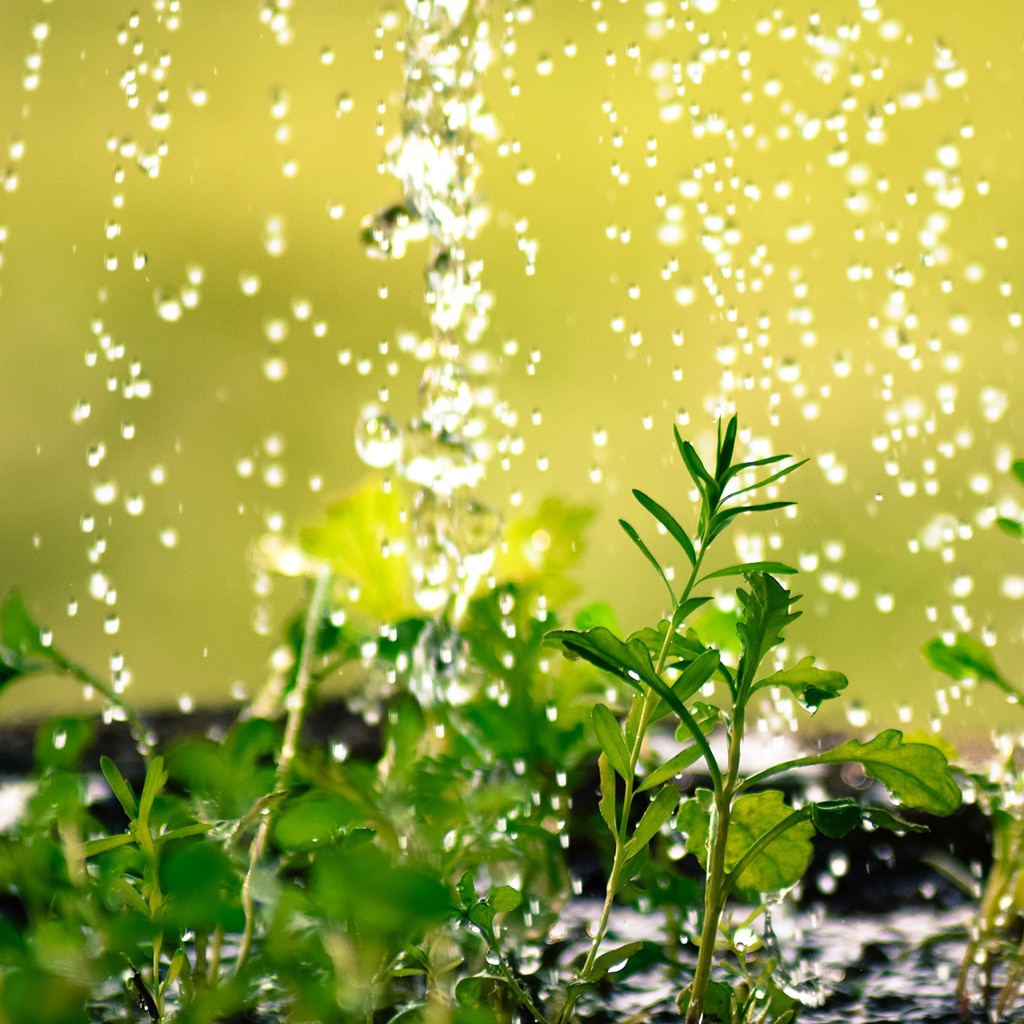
747,838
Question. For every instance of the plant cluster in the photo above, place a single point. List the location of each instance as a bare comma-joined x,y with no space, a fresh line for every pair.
426,882
993,961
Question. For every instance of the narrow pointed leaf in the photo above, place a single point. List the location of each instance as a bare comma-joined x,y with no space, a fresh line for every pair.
811,686
156,779
1013,527
721,519
696,674
119,786
609,735
669,522
646,552
695,467
606,961
659,810
780,568
770,479
726,448
606,804
674,765
916,774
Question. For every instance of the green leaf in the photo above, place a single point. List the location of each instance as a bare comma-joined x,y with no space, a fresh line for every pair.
742,569
365,541
669,522
726,447
19,632
676,764
658,811
967,658
597,613
606,804
765,615
156,779
721,519
609,735
646,552
719,1003
836,818
630,661
1017,469
612,958
696,674
62,742
304,824
1013,527
781,864
811,686
504,898
916,774
120,787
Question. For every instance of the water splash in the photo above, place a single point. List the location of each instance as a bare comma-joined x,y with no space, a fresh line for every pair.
441,452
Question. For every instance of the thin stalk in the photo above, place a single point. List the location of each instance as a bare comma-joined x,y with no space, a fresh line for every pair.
289,744
135,724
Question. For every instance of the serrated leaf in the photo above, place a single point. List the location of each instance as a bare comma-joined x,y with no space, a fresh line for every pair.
612,958
781,864
669,522
916,774
811,686
837,818
609,735
606,803
658,811
765,615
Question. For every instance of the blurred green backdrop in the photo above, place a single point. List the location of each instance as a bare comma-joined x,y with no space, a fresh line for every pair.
810,211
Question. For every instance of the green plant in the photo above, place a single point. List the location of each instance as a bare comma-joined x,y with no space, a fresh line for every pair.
994,943
421,881
748,839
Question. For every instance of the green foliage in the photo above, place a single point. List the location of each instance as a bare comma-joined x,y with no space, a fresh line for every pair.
744,840
256,869
992,969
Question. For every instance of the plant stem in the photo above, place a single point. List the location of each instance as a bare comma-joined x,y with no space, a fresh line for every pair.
293,726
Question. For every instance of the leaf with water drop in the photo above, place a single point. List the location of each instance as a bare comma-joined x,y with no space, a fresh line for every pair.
630,660
837,818
19,640
765,615
916,774
612,958
811,686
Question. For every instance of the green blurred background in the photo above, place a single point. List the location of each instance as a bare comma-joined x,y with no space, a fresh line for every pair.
821,202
